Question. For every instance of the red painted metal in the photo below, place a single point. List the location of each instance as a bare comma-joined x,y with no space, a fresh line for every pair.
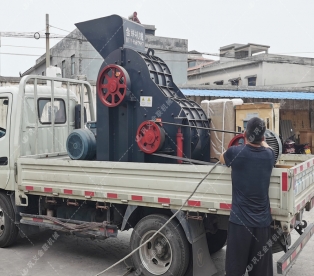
164,200
150,137
89,193
194,203
236,140
284,182
68,192
284,265
225,206
298,207
137,198
180,139
112,85
111,195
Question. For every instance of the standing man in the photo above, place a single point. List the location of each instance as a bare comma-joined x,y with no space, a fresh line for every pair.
250,217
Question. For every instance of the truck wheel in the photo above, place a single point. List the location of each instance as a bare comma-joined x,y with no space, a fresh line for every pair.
8,229
216,241
166,254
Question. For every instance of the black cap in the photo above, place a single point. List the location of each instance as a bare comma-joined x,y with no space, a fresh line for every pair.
255,130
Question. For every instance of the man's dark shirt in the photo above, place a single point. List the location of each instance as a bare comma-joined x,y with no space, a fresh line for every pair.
251,170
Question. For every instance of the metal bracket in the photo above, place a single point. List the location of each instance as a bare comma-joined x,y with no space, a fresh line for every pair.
300,227
288,259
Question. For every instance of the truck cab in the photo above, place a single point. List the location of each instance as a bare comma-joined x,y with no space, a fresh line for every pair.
33,123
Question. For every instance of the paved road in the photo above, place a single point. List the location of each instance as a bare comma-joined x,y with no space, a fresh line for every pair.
69,255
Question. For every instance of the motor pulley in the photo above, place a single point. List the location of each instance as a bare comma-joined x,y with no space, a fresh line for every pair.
112,85
150,137
237,140
271,138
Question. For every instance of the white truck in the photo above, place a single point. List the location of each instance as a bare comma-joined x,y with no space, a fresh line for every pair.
41,187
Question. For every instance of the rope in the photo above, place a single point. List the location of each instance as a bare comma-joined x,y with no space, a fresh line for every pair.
156,233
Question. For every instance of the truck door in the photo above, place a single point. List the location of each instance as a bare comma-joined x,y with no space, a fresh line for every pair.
5,119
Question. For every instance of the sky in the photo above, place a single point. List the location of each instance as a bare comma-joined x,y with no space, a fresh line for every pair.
285,25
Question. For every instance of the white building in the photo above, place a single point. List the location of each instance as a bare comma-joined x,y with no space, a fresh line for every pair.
252,65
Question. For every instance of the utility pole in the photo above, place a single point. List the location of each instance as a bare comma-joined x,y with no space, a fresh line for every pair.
47,42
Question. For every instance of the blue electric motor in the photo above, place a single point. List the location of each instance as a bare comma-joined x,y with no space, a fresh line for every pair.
81,145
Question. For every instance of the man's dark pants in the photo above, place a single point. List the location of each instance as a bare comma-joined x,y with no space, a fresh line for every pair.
246,248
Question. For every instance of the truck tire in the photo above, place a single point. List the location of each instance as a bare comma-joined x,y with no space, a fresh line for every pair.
167,254
216,241
8,229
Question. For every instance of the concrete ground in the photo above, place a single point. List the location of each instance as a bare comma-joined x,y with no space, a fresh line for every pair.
69,255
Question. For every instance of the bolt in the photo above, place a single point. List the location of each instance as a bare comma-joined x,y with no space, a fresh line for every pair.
129,61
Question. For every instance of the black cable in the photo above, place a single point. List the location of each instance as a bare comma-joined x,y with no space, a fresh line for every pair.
207,128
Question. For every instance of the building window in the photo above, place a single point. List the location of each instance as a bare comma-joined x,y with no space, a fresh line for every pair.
45,111
63,69
219,82
251,81
192,63
73,65
235,81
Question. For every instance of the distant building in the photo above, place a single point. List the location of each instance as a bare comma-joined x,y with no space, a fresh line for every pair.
196,61
77,58
251,65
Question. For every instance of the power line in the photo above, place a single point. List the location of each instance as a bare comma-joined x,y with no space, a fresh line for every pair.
14,54
17,54
42,35
60,29
20,46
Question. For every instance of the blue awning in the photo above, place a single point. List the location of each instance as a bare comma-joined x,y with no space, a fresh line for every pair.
250,94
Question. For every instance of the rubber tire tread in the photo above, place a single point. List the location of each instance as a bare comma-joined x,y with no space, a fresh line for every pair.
179,244
11,231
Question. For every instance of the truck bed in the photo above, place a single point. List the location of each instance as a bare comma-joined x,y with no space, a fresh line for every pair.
160,185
